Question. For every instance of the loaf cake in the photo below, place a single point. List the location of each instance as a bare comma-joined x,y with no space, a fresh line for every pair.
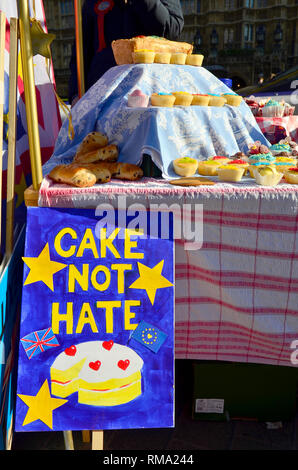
123,48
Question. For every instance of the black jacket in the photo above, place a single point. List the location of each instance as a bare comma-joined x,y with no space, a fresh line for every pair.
125,20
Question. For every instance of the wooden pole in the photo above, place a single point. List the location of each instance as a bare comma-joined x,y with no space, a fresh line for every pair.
2,49
86,436
12,120
30,94
97,436
68,440
97,440
79,47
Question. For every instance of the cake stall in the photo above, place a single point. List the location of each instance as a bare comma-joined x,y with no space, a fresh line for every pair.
220,284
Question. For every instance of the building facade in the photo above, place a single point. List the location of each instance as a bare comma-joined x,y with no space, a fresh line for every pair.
60,20
249,38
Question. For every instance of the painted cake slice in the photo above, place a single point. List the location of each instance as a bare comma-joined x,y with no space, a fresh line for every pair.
103,373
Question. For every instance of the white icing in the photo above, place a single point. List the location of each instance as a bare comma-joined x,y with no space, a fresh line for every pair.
93,351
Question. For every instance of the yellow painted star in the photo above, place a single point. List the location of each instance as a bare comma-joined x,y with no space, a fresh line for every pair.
150,280
42,268
20,189
5,119
41,406
41,41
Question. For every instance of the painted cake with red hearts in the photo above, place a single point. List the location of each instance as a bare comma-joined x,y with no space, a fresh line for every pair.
103,373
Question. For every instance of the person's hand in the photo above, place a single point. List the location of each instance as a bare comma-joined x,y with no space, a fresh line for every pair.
74,101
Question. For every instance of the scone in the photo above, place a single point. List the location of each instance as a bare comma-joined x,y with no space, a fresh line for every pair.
200,100
92,141
74,175
108,153
232,173
129,171
182,98
103,171
119,170
208,167
291,175
267,175
194,59
162,99
143,56
178,58
185,166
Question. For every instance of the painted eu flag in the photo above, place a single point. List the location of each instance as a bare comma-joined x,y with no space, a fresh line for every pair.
150,336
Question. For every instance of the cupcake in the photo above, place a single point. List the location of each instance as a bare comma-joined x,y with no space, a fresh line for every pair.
182,98
178,58
292,144
162,57
232,99
208,167
185,166
239,155
162,99
241,163
273,109
221,159
200,100
252,166
282,164
253,104
137,99
254,109
230,173
266,175
261,158
143,56
289,110
277,149
194,59
216,100
257,147
291,175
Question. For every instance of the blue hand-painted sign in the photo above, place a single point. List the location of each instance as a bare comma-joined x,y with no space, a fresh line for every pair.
96,335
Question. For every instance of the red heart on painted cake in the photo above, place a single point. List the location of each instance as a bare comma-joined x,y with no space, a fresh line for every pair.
71,350
124,364
108,344
95,365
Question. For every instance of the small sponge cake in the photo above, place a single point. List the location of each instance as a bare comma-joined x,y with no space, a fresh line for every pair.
185,166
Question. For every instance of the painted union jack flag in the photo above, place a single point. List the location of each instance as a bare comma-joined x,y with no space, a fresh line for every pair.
39,341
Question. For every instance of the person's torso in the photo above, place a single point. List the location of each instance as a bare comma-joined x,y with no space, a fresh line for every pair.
119,23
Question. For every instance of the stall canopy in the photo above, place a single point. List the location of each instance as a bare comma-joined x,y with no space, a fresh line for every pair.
283,83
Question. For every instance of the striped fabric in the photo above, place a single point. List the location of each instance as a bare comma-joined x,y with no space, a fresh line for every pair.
236,297
276,129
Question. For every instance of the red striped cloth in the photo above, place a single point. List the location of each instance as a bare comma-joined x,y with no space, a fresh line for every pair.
278,128
236,297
